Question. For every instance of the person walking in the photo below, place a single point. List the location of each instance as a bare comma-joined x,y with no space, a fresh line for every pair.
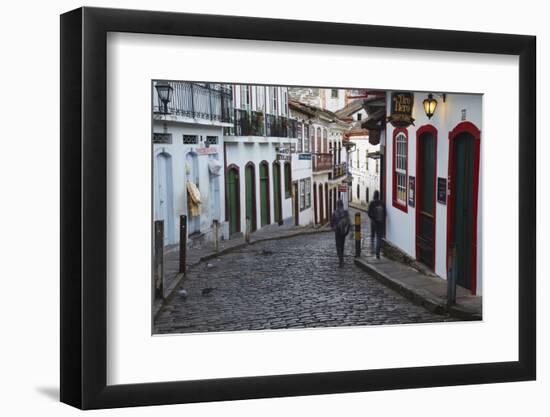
341,224
377,215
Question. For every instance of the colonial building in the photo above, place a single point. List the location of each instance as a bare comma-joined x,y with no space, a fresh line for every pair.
331,99
188,123
364,157
323,136
433,185
265,180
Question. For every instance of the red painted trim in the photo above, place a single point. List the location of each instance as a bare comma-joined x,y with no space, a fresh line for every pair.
395,202
464,127
419,189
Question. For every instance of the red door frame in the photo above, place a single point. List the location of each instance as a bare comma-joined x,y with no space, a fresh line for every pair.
464,127
419,189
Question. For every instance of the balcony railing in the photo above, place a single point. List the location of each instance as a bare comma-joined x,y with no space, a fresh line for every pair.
198,101
251,123
248,123
339,170
322,162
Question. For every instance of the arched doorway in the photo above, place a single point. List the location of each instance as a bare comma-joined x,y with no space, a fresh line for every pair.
330,207
462,205
214,191
192,167
250,194
164,206
327,212
277,203
315,215
233,199
264,194
426,169
321,205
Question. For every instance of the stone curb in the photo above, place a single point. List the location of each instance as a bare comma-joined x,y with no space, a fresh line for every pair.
417,296
180,276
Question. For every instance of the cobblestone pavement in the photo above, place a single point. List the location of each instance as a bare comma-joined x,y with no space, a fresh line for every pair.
288,283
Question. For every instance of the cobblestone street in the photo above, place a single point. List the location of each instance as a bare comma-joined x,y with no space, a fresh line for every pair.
286,283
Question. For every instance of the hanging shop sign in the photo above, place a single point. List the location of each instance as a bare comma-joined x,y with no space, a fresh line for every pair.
343,188
401,109
374,136
412,190
442,190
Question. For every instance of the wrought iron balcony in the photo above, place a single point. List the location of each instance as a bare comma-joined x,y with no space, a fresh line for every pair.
198,101
339,170
248,123
322,162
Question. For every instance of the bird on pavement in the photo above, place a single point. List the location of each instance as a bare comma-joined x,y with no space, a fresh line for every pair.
207,291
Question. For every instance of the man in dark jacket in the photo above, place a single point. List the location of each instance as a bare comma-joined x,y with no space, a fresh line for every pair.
377,215
341,224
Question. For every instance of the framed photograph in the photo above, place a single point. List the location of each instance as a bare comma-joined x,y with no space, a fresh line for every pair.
249,208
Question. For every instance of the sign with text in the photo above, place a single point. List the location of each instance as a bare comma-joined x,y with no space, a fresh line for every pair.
343,188
206,151
442,190
401,109
304,156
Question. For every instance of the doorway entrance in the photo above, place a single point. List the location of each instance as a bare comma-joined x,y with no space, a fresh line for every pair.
233,199
277,203
264,194
193,222
426,168
462,226
164,206
250,191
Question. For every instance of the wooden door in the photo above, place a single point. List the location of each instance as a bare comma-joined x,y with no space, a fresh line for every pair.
277,203
463,207
250,191
425,199
296,203
233,199
264,194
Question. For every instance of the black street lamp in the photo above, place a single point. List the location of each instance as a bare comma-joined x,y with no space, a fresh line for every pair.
164,90
429,105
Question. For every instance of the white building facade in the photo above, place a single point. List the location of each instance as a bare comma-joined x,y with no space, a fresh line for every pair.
265,179
433,187
188,156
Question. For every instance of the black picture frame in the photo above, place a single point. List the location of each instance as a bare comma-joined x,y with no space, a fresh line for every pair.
84,207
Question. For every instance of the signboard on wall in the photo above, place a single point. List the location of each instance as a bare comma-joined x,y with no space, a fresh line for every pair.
442,190
304,156
412,190
401,106
206,151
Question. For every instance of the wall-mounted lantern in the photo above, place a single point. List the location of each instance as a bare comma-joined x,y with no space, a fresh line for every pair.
164,90
429,105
